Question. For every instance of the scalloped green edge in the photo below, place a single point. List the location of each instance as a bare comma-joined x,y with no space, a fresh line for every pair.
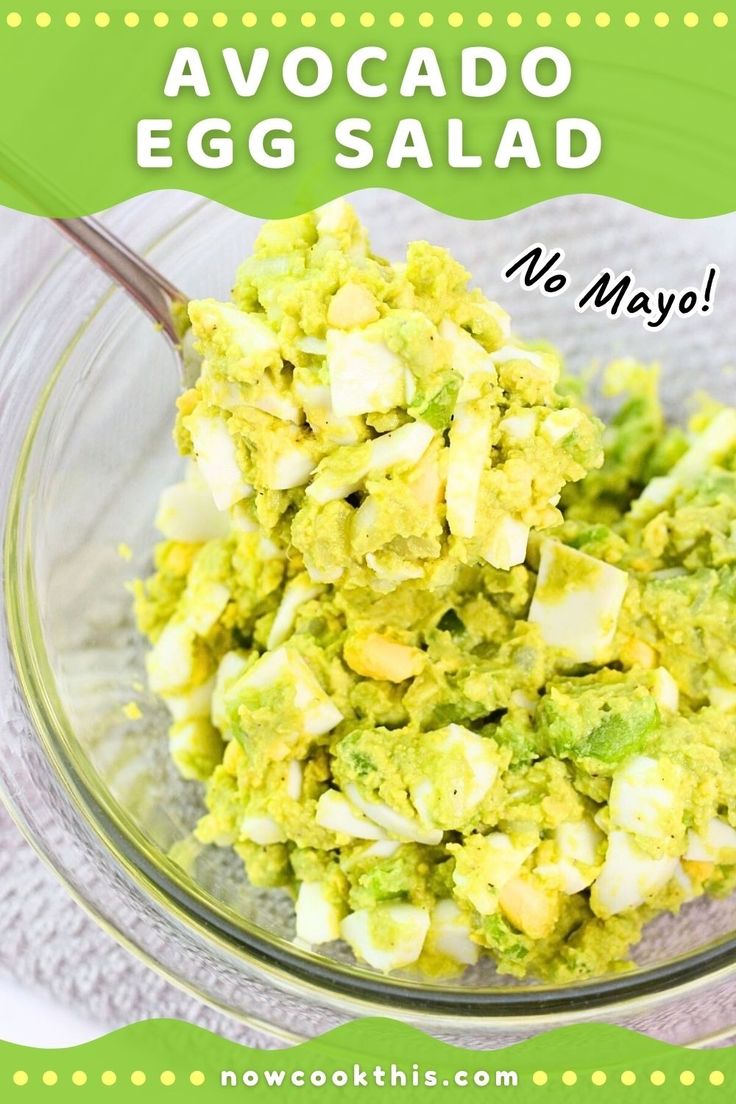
662,97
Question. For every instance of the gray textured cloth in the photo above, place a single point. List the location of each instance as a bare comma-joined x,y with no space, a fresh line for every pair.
47,940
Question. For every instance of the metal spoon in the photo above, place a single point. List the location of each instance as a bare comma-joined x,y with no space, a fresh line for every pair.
164,304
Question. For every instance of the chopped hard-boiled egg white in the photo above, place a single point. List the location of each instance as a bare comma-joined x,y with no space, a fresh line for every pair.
395,824
684,883
480,756
299,590
403,446
381,849
244,340
561,423
578,840
474,770
646,798
564,875
519,427
241,519
470,442
229,670
657,493
195,747
294,780
426,482
318,916
335,812
225,393
170,663
288,469
575,864
261,829
352,305
194,702
217,458
504,857
665,690
271,400
717,843
629,876
467,356
334,217
498,315
449,934
364,519
390,575
286,668
723,697
328,486
388,937
508,544
577,601
545,365
207,604
365,376
316,400
269,550
708,447
187,512
338,228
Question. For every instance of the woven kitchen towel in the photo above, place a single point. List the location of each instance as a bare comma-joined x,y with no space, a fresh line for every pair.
47,940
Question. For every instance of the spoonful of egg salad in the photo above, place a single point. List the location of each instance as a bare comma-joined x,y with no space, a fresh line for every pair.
377,419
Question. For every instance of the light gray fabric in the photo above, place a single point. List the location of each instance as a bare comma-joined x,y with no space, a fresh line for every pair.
47,940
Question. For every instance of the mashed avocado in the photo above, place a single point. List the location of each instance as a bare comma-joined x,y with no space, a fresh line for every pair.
454,681
378,418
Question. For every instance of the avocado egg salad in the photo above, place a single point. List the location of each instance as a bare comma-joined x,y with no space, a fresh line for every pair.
455,664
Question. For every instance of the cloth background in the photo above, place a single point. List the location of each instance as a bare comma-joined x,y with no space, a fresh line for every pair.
47,942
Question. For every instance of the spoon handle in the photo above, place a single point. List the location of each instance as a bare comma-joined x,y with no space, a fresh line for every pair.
161,301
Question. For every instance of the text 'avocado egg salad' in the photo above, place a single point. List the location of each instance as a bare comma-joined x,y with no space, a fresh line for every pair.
451,679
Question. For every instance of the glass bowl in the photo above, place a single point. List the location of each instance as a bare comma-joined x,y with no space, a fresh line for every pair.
87,390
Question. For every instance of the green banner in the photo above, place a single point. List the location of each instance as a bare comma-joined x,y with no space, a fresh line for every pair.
368,1060
474,109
